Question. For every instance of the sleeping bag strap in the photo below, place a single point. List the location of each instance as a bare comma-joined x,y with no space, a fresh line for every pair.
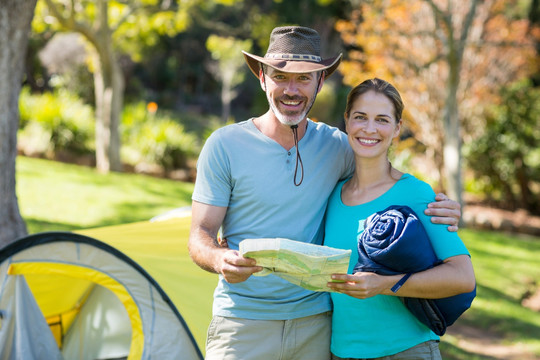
400,283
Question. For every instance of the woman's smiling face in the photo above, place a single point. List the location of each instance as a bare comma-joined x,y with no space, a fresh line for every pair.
371,125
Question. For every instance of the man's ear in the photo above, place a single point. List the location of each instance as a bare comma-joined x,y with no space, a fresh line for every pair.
262,80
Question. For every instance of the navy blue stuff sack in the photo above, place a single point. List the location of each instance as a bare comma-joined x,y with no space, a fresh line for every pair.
394,241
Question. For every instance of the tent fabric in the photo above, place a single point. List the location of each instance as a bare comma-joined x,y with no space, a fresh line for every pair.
93,276
96,277
394,242
23,325
100,327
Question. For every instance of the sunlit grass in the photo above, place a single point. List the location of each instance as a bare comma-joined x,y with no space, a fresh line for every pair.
56,196
507,268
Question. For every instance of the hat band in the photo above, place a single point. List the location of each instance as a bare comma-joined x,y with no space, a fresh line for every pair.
294,57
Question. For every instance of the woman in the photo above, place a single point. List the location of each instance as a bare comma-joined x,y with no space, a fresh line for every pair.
369,320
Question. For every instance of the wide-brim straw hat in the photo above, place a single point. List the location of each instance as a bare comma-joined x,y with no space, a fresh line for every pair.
293,49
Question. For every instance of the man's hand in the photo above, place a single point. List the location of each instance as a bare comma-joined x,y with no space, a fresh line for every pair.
235,268
212,252
444,211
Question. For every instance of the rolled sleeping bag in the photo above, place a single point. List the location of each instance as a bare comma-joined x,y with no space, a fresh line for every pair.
393,242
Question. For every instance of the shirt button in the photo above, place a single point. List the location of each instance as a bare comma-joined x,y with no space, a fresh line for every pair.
289,153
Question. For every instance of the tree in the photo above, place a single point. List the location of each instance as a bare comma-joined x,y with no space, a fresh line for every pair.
446,56
15,19
106,25
230,69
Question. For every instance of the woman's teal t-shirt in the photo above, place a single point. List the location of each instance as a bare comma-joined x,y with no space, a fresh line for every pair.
380,325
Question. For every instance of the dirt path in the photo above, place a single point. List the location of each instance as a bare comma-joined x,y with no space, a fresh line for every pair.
483,343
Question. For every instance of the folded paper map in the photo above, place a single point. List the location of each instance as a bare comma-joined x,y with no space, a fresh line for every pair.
306,265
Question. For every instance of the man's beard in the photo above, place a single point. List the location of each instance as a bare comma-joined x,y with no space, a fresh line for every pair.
286,119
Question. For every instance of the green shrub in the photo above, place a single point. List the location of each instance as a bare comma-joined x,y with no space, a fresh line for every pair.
60,122
156,139
53,122
506,159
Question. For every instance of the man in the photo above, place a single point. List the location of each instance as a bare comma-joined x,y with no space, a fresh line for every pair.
267,177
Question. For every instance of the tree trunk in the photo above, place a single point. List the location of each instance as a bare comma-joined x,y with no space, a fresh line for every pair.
15,19
109,88
452,148
452,125
109,93
452,140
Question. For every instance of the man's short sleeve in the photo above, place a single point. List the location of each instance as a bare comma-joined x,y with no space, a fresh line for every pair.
213,183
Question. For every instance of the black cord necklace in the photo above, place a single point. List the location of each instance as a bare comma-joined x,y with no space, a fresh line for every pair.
298,158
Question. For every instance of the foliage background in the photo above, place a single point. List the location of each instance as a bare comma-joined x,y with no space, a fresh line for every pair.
184,59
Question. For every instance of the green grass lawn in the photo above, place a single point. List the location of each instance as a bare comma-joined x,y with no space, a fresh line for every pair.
507,267
55,196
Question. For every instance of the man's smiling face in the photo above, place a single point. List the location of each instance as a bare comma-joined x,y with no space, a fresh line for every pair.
290,95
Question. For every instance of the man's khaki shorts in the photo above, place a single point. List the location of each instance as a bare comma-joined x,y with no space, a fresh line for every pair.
243,339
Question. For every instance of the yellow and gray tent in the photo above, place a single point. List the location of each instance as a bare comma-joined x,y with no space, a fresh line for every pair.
69,296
